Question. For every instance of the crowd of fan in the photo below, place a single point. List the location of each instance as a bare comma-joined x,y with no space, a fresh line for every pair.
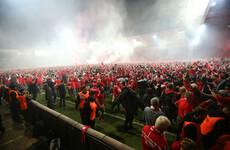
196,96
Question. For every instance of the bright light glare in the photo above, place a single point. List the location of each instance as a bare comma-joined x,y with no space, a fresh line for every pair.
68,39
201,28
67,34
213,4
92,60
155,36
196,40
192,18
41,53
135,43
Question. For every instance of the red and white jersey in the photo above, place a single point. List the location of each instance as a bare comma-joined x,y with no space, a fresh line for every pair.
152,139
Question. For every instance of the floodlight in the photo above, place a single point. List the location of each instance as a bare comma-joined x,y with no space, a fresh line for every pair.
155,36
201,28
67,34
196,40
213,4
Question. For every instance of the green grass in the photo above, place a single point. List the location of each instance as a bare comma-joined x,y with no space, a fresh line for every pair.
112,126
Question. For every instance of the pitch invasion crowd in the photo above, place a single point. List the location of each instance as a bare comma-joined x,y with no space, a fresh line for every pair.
196,96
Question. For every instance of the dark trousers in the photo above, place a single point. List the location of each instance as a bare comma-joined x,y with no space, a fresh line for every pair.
54,95
0,99
142,93
62,100
179,120
82,116
91,123
35,95
50,104
128,120
118,107
1,125
171,112
25,115
15,111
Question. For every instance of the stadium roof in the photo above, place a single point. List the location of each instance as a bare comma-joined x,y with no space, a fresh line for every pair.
218,14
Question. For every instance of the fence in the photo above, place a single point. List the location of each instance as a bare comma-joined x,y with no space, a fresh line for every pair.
69,131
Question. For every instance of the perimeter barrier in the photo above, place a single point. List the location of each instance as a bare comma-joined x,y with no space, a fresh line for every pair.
70,131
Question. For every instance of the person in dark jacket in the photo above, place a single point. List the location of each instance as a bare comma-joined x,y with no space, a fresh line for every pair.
51,84
147,97
64,78
168,99
142,85
62,93
130,102
13,96
34,88
89,110
224,85
48,96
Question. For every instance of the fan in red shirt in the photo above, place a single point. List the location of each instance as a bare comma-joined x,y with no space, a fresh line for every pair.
57,81
95,90
194,89
76,82
99,83
116,92
39,83
133,83
82,82
100,100
107,85
153,137
6,81
22,81
60,75
184,107
72,90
